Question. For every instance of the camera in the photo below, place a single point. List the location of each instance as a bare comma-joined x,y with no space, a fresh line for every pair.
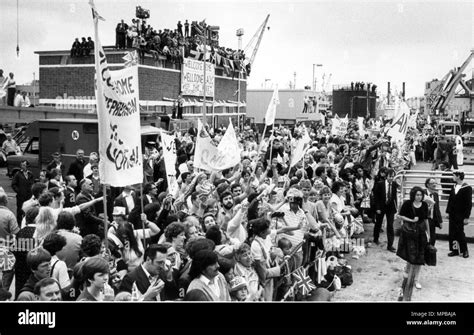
277,215
142,13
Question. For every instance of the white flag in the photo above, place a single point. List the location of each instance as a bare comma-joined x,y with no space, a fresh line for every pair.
119,120
271,110
399,127
302,145
360,122
169,155
209,157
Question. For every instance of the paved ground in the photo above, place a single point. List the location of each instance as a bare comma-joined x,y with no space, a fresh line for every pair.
378,275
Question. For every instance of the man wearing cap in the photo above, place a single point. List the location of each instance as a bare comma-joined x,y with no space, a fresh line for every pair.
298,221
459,210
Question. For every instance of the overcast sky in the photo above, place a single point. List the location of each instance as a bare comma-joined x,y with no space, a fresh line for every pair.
370,41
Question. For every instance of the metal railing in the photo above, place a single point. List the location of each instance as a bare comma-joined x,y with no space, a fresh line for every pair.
407,179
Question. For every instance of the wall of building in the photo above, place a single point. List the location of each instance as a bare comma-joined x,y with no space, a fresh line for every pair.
290,108
66,77
344,103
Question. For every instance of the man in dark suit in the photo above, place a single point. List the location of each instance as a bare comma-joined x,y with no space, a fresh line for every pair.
126,199
150,192
385,195
77,167
192,131
21,184
434,217
87,220
459,210
120,32
151,276
70,191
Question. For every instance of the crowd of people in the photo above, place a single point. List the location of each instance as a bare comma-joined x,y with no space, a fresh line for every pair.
82,48
253,232
176,44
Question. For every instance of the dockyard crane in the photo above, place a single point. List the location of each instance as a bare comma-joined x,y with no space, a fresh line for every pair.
440,97
254,43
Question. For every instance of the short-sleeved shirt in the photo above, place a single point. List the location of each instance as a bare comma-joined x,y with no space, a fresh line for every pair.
8,223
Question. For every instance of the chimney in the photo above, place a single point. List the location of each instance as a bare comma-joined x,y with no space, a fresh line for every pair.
388,93
403,90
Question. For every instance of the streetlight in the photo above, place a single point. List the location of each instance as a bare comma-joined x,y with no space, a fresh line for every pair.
314,83
239,34
204,108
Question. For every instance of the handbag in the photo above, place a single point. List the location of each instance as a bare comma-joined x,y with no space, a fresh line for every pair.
430,255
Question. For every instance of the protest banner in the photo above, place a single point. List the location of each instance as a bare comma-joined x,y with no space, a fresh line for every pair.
119,121
399,127
211,157
192,78
339,126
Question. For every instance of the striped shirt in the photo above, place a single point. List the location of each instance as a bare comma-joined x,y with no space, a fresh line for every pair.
293,220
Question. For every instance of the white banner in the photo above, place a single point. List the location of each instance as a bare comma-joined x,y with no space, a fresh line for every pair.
399,127
208,156
169,154
119,121
339,126
192,77
302,145
271,110
360,122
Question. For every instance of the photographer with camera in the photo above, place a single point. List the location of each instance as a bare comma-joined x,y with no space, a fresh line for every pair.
297,221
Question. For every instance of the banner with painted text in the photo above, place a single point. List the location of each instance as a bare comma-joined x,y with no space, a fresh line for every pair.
169,155
398,129
192,77
210,156
119,121
339,126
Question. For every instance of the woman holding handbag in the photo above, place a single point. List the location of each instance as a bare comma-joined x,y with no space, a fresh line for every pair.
414,233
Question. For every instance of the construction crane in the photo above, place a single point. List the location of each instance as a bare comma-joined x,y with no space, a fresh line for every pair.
254,44
440,97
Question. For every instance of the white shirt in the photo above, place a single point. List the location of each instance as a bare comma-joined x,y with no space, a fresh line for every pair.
457,187
214,286
152,280
129,200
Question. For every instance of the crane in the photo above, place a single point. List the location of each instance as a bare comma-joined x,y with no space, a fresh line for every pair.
254,44
440,97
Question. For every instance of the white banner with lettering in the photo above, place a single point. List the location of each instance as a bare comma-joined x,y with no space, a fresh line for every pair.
339,126
193,76
169,154
119,122
211,157
398,129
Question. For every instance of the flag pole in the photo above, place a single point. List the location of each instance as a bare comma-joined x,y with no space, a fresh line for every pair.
106,228
271,143
143,223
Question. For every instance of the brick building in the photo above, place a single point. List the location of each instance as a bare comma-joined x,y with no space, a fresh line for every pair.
69,81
